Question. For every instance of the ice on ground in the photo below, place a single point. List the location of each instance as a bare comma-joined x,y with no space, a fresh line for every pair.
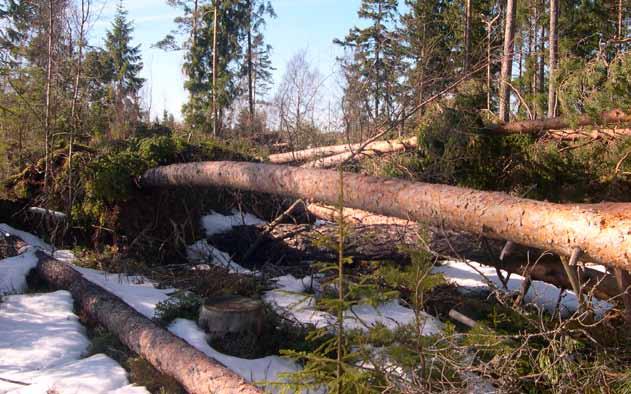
470,276
98,374
201,251
216,223
13,271
291,300
26,237
266,369
137,291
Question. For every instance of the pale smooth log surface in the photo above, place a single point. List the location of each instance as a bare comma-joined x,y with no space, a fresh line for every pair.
323,151
374,149
601,231
195,371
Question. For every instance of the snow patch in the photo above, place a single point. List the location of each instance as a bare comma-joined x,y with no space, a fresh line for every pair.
98,374
13,272
290,300
216,223
201,251
26,237
266,369
468,275
137,291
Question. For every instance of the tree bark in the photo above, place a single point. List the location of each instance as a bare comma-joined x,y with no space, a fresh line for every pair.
196,372
554,57
214,103
326,151
507,61
49,82
601,231
250,66
535,126
467,34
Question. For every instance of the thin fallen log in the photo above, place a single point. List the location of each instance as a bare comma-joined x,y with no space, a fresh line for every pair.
374,149
535,126
325,151
601,231
195,371
354,216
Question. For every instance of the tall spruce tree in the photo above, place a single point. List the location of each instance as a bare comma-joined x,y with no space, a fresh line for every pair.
377,54
125,63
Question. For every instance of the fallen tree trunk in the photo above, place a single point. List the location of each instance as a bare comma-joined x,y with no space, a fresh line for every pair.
293,245
601,231
325,151
462,245
615,116
195,371
374,149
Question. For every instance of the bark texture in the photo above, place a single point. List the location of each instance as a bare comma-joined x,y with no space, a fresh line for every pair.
601,231
324,151
507,61
195,371
559,123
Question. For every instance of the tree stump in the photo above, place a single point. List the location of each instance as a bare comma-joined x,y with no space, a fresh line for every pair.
234,324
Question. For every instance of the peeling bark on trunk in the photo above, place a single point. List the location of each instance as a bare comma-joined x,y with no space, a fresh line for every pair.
601,231
540,125
195,371
325,151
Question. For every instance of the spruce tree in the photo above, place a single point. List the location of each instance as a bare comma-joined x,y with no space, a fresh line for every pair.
376,53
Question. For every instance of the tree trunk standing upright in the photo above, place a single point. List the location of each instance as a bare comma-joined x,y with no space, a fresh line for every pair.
489,29
85,12
554,57
214,103
467,34
250,66
507,61
49,77
620,12
378,63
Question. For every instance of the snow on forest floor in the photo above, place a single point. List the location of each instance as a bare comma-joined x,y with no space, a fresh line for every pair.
474,277
52,359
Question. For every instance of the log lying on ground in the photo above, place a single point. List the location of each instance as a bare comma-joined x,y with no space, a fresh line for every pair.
354,216
601,231
292,245
374,149
597,133
325,151
195,371
615,116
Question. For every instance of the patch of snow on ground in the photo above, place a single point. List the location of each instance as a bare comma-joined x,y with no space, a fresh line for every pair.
216,223
140,293
41,343
98,374
201,251
540,293
290,299
26,237
13,271
260,370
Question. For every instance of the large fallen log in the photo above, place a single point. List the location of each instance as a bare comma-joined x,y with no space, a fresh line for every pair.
293,245
374,149
602,232
615,116
325,151
195,371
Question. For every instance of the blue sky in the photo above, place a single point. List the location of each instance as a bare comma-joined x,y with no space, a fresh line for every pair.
301,24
